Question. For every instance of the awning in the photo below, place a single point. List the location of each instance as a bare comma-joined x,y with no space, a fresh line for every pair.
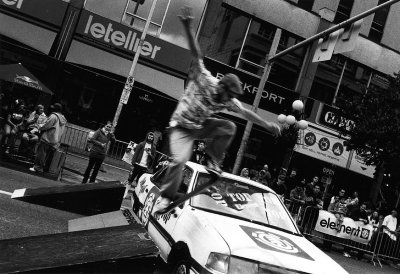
18,74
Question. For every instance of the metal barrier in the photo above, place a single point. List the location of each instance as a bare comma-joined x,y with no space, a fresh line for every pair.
381,246
76,138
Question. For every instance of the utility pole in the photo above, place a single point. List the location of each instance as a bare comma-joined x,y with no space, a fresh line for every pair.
272,56
261,85
130,80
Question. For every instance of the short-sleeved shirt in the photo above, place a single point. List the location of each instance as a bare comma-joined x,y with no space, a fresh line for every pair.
198,101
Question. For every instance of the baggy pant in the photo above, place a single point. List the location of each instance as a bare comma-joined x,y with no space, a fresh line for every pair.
43,153
181,141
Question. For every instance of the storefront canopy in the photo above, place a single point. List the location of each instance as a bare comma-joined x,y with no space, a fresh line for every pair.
17,73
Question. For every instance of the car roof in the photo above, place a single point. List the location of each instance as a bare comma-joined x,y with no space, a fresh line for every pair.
201,168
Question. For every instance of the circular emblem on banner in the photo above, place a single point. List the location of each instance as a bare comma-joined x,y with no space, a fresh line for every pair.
148,205
324,144
337,149
274,241
310,139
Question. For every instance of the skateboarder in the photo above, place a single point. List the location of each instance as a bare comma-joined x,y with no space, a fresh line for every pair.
191,120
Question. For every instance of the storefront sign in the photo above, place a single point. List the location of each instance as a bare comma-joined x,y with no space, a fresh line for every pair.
358,165
50,11
274,98
328,117
118,37
323,146
349,229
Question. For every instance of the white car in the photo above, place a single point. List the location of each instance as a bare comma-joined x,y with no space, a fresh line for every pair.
236,226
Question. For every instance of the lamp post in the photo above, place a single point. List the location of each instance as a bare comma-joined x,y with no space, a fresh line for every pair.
291,124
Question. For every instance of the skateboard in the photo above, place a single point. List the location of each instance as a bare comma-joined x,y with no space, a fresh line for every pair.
214,179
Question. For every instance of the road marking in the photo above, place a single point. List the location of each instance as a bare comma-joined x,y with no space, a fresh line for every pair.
5,192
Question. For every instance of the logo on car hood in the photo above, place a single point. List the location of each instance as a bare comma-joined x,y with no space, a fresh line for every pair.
275,242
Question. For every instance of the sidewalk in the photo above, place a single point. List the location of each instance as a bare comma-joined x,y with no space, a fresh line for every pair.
75,166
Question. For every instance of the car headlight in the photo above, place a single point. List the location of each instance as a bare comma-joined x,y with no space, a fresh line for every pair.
217,262
220,263
239,266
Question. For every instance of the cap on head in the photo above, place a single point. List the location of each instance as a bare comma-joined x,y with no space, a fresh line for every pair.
232,82
57,107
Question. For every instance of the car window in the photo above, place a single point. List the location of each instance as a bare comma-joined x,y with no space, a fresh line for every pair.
186,178
244,201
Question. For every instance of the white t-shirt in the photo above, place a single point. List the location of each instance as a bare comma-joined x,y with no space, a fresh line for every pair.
143,161
391,223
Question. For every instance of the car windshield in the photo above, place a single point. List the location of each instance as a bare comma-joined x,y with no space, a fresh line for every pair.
243,201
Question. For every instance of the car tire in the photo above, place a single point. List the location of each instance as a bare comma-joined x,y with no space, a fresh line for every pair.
182,267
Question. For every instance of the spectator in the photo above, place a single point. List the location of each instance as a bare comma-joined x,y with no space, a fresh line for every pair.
309,191
389,225
253,174
263,177
14,124
142,159
352,203
97,154
338,207
51,133
297,199
374,219
279,186
291,181
245,173
30,137
358,213
199,154
267,176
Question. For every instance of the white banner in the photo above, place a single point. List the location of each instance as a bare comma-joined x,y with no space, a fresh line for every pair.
349,229
323,146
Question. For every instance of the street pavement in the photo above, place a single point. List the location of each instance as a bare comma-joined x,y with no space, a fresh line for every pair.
20,219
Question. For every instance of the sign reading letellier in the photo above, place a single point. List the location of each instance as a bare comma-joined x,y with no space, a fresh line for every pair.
119,38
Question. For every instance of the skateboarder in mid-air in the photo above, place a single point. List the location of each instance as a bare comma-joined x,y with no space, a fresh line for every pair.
204,95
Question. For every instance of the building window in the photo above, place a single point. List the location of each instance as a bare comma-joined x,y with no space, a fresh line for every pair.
222,34
378,23
343,11
306,4
137,11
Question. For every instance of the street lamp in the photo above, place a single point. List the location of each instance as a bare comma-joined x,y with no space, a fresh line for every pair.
291,124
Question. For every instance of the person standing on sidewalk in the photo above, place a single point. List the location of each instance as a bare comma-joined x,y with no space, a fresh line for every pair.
97,154
204,96
51,133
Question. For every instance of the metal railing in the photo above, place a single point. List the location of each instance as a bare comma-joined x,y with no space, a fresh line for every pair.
77,140
383,245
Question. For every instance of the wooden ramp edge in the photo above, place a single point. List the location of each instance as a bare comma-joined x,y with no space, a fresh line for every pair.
58,251
84,199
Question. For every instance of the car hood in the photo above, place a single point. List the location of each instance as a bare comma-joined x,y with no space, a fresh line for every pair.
271,246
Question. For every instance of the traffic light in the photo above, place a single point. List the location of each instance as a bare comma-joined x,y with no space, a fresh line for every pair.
325,47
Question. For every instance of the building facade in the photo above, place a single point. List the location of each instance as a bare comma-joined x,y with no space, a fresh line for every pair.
82,50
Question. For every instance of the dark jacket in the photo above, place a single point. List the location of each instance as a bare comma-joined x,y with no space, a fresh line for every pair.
99,138
139,149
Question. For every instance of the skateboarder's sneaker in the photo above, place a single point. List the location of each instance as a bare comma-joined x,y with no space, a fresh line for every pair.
213,167
161,204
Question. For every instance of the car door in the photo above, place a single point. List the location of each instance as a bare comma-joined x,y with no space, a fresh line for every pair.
160,227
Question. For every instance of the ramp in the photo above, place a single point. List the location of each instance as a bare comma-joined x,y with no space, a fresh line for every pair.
113,249
84,199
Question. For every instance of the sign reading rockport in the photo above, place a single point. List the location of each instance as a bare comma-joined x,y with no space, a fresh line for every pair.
349,229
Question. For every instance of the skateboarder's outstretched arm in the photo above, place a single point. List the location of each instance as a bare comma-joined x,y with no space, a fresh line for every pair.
272,127
187,18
